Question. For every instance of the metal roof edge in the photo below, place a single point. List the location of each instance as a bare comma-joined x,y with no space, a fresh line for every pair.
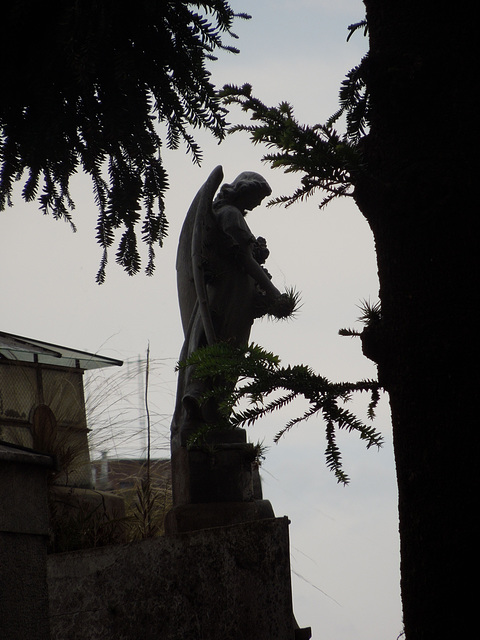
14,342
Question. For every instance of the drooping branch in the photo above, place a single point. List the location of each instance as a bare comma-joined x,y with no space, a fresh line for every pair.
107,74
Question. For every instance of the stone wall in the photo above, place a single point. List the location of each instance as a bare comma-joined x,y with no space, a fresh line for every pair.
225,583
23,543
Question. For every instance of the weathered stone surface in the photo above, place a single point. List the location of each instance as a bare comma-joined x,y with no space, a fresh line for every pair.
23,587
192,517
23,543
216,484
23,494
229,583
214,473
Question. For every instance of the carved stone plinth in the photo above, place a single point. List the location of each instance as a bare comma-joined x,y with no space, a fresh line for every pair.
216,484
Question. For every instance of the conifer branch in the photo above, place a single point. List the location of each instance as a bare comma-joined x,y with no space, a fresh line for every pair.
251,373
328,161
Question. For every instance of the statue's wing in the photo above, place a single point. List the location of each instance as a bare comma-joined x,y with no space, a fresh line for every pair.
191,255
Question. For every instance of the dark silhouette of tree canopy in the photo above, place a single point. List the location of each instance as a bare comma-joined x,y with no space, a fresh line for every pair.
406,157
84,86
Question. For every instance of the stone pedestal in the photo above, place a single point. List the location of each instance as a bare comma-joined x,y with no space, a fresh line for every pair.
193,517
216,484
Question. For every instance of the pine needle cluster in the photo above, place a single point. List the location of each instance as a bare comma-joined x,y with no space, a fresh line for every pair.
370,317
285,306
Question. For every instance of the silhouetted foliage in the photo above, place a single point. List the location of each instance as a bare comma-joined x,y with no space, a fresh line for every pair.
330,161
84,86
251,373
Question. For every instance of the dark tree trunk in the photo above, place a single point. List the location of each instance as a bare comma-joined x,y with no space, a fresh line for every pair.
417,196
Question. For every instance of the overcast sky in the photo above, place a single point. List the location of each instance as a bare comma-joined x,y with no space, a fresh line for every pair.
344,540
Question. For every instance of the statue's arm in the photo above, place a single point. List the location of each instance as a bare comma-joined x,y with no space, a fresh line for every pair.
242,242
257,272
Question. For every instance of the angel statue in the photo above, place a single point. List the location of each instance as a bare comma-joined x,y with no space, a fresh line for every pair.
222,285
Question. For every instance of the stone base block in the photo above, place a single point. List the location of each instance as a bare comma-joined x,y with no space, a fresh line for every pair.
193,517
228,583
83,517
213,473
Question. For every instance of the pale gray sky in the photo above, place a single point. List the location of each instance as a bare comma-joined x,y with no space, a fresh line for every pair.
344,540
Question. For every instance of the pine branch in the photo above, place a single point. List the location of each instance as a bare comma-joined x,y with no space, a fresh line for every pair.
327,161
251,373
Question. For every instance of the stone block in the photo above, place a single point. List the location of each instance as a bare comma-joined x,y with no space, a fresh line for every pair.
192,517
221,583
23,543
213,473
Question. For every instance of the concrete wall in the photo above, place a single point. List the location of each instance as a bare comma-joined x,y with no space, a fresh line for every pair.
23,543
226,583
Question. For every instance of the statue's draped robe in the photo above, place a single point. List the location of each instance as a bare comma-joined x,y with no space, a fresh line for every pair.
232,296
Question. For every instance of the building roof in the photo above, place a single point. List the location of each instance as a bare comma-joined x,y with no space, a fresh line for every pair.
21,349
10,452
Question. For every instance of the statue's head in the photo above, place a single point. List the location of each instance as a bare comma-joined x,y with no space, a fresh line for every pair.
248,190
